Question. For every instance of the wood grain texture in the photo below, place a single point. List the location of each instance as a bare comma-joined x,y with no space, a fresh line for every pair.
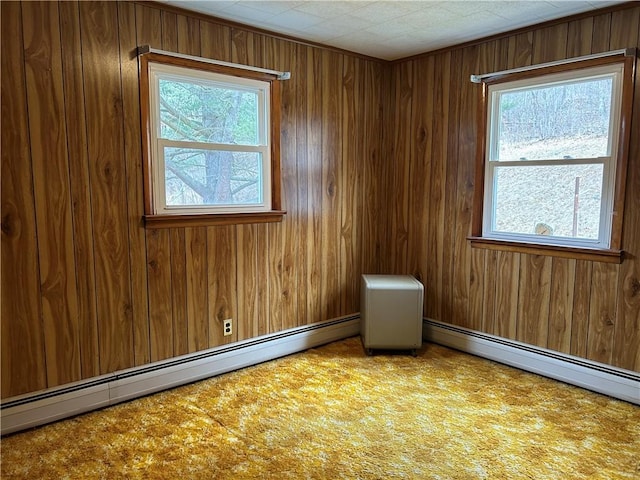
133,164
456,83
626,347
579,37
533,300
299,63
602,312
434,289
581,307
198,291
550,44
160,295
351,148
507,294
49,156
559,303
563,272
221,287
359,140
103,94
489,292
314,196
179,314
601,33
80,188
420,177
401,166
23,360
331,189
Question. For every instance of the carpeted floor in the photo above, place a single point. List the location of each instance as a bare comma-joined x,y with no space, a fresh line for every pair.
333,413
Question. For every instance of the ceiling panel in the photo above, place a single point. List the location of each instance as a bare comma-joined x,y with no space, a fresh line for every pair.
390,29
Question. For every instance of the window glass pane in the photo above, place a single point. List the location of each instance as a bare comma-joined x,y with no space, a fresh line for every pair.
557,200
206,112
568,120
212,177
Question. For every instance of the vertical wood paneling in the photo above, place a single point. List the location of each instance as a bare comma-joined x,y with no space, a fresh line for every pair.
377,177
350,173
221,274
579,37
23,360
602,312
490,292
104,112
284,60
420,179
507,294
601,33
401,166
563,272
331,189
160,294
133,162
464,191
520,50
469,284
313,285
197,257
533,300
451,186
299,64
160,278
550,43
49,156
80,188
581,307
248,322
373,199
566,305
179,314
626,348
434,288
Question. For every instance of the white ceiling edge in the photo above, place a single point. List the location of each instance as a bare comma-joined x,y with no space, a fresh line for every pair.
391,29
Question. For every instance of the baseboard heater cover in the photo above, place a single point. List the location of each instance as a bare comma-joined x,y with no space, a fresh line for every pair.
30,410
598,377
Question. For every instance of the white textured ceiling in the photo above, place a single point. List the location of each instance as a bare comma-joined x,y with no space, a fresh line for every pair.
389,29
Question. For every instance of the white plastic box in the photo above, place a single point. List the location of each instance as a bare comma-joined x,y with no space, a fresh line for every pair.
391,312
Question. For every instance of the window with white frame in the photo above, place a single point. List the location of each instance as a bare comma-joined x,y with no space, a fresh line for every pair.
551,156
212,143
210,138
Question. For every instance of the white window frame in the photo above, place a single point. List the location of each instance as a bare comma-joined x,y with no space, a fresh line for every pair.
494,91
158,71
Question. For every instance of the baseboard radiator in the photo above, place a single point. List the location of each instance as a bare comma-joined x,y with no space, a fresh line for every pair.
30,410
598,377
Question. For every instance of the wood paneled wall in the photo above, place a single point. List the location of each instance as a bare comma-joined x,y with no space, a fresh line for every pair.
584,308
86,289
378,176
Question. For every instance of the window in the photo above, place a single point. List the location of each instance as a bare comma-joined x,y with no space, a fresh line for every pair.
212,143
554,158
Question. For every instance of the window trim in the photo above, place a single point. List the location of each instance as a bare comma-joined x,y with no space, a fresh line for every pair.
612,254
192,218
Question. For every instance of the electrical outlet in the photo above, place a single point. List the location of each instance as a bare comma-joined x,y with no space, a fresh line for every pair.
227,326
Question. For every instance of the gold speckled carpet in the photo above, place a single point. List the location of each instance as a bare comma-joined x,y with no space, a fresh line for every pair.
333,412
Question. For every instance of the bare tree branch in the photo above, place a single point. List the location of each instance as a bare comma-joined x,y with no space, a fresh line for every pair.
196,186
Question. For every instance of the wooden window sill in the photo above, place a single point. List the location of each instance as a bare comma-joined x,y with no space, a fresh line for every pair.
207,220
578,253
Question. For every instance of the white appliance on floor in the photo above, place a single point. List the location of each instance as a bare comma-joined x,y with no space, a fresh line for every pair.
391,312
